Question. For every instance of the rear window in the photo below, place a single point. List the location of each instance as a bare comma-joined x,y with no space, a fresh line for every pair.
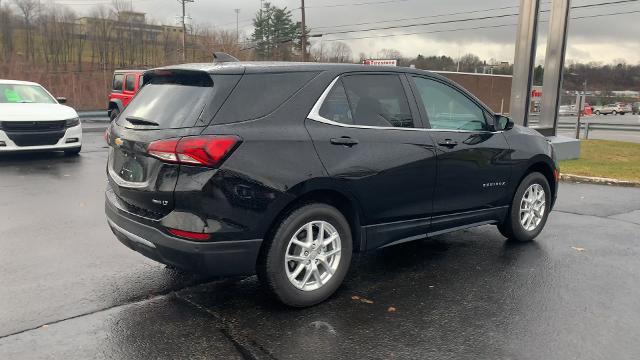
171,100
258,95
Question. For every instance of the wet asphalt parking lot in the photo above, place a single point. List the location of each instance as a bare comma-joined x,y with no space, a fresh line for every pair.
71,291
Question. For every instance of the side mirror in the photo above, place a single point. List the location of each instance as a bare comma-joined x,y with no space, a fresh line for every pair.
61,100
503,123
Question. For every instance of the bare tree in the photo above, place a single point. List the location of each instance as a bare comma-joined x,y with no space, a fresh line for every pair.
389,54
100,30
29,9
340,52
6,32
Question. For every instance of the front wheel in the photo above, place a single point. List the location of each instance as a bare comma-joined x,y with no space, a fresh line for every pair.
308,256
614,112
529,209
114,114
597,112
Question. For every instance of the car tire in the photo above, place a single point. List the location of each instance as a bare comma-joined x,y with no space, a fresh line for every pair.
309,262
614,112
597,112
73,152
114,114
518,226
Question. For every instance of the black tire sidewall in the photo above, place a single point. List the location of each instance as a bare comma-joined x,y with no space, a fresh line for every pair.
516,230
114,114
274,269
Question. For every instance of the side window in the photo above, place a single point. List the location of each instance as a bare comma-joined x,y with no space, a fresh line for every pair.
258,95
118,82
130,84
336,106
449,109
140,82
378,100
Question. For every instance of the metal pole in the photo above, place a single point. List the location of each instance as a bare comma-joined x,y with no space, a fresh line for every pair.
553,65
184,29
579,113
237,25
586,131
524,60
184,33
303,29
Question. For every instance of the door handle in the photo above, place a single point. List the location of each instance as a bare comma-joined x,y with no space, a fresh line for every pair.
345,140
448,143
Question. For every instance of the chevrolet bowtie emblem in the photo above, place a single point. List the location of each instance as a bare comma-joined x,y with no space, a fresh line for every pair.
118,141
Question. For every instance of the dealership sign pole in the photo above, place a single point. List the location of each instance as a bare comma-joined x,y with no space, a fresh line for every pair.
523,65
553,66
524,60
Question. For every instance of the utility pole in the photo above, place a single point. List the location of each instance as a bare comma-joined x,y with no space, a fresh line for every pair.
184,28
303,39
237,25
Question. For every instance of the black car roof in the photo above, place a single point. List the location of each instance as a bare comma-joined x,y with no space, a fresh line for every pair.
283,66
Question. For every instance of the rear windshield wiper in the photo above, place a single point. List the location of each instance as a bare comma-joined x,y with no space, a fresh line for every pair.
134,120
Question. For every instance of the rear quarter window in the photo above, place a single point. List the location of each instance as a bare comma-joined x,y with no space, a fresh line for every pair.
258,95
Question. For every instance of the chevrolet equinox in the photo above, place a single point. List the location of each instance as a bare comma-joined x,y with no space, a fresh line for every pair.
287,169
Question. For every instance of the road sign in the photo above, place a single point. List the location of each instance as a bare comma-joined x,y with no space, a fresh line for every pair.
380,62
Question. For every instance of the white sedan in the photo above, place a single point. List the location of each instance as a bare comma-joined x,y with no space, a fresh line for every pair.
32,119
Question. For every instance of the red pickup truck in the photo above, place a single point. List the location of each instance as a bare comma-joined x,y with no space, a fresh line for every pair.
125,85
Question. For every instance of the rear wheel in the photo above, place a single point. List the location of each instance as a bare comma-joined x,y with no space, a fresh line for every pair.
614,112
529,209
308,256
597,112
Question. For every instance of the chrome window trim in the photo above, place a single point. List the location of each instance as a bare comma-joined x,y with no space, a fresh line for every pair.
315,116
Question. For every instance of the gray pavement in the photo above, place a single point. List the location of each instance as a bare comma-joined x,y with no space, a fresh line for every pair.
71,291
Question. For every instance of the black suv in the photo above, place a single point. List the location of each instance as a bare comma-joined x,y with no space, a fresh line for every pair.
286,169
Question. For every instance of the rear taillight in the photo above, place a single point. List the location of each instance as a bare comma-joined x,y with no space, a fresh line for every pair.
208,150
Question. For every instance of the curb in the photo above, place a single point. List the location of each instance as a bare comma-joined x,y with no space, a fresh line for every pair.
598,180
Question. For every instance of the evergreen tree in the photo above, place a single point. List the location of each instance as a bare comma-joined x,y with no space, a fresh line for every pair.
275,35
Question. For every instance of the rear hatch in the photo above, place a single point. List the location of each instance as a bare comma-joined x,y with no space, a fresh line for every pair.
172,104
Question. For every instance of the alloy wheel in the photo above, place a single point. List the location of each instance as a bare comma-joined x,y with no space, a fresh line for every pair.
532,207
313,255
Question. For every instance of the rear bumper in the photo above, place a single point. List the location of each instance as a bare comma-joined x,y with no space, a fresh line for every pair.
212,258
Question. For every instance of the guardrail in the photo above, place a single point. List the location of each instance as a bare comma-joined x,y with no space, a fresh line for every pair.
600,126
99,115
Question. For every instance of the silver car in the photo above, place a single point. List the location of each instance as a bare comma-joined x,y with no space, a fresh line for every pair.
613,109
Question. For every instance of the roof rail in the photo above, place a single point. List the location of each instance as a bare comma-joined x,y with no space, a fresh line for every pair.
220,57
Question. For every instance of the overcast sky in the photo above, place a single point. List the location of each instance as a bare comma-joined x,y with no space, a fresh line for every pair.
601,38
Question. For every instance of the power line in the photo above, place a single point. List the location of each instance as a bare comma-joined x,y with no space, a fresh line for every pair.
488,17
357,4
476,27
421,17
